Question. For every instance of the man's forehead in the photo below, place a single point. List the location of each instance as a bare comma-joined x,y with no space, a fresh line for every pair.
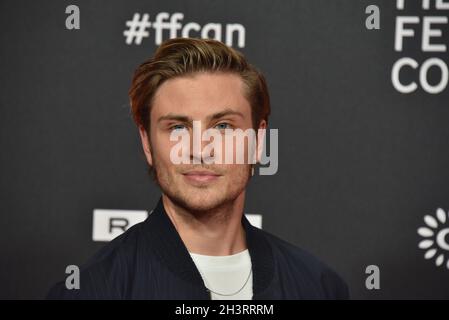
226,112
200,97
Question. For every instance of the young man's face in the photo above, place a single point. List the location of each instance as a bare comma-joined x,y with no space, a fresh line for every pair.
217,101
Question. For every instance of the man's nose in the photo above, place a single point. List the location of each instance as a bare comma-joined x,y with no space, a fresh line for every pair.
198,152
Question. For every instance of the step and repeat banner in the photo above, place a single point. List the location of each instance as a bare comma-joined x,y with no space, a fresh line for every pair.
360,98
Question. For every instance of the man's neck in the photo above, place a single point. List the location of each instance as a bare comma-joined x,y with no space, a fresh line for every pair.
217,232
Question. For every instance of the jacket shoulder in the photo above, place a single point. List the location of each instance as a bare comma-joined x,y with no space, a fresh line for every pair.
307,268
105,274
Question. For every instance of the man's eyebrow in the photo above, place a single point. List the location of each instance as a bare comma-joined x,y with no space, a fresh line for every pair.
177,117
186,119
226,112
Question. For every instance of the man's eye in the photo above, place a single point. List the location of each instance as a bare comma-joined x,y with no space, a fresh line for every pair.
223,125
178,127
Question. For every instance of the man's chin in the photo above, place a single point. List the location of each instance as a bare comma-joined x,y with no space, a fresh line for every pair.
200,204
198,200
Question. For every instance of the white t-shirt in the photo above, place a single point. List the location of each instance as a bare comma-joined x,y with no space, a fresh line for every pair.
226,275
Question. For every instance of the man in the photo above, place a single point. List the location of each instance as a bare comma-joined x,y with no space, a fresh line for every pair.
197,243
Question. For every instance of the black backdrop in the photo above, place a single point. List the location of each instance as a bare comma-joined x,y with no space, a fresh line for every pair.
360,164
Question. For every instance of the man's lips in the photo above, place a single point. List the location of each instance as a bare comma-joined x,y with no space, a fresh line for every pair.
201,176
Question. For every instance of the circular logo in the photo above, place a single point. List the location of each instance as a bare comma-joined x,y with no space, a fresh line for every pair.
435,240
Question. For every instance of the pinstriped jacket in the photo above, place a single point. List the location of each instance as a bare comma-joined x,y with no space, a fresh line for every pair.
150,261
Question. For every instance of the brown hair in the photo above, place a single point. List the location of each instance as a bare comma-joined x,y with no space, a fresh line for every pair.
185,56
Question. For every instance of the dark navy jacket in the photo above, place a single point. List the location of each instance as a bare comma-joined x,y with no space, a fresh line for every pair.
150,261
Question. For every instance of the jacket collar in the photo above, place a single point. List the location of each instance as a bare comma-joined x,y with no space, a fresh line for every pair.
166,243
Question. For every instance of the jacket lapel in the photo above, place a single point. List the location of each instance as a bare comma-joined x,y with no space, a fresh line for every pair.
166,243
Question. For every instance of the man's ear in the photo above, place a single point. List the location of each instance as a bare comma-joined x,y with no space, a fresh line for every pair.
146,145
261,132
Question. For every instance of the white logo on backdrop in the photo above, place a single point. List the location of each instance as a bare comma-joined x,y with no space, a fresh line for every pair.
429,30
110,223
171,26
436,238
